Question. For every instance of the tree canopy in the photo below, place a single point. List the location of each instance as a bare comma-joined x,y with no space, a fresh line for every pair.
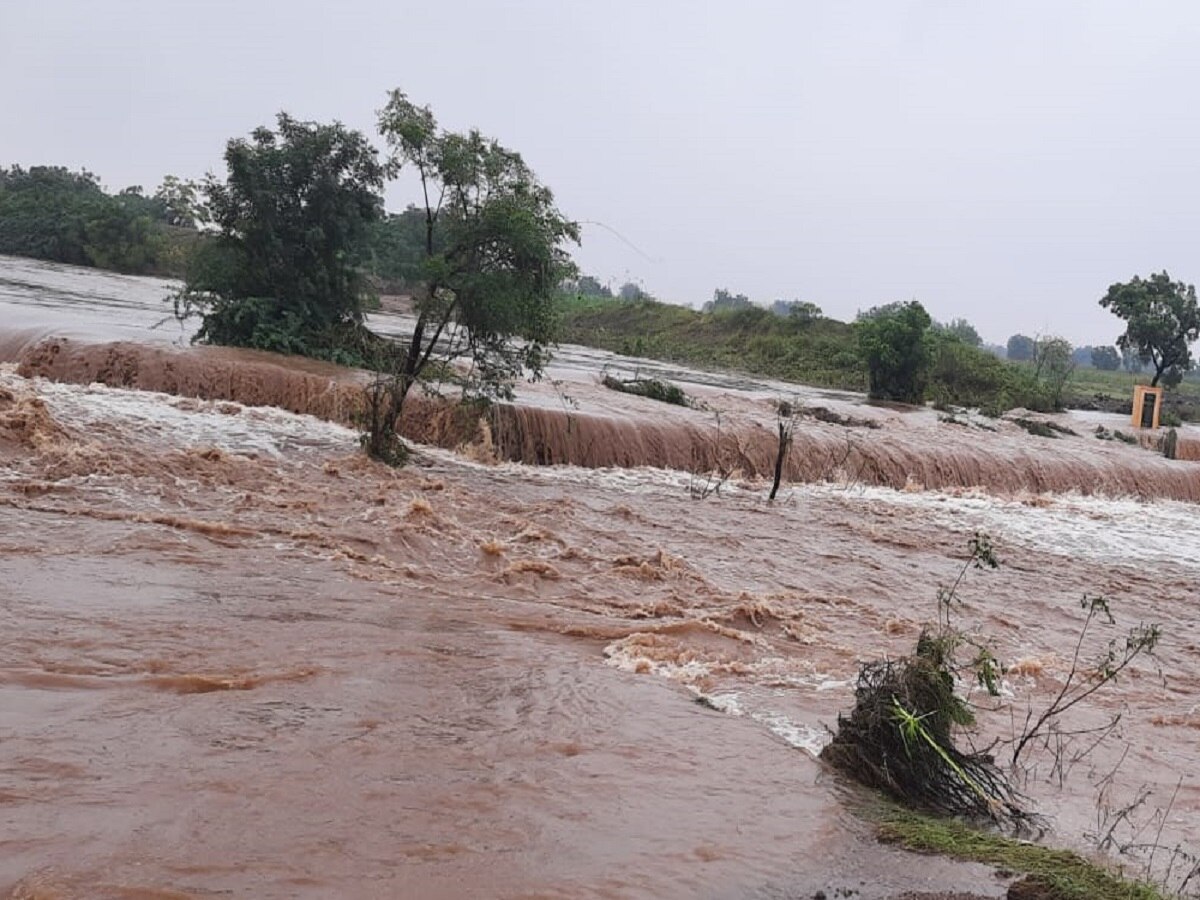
1162,321
494,251
53,213
962,330
893,341
280,274
1020,347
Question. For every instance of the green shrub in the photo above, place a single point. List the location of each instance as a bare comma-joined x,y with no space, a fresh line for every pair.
893,342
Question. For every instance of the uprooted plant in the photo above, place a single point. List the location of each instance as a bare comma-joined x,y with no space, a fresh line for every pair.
650,388
900,736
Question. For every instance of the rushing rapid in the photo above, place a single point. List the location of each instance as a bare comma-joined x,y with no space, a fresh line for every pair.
238,658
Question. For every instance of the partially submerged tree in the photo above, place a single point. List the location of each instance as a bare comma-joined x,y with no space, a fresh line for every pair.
279,274
1162,321
893,342
494,254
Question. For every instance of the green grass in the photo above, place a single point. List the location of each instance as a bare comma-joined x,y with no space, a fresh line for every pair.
1113,391
1068,875
755,341
820,351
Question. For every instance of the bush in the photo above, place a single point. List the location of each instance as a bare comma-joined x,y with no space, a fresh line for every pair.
893,342
967,376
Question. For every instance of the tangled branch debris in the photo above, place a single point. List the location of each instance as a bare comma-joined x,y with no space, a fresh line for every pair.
899,738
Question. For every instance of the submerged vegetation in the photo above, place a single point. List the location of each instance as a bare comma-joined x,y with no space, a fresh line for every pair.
909,715
651,388
1043,428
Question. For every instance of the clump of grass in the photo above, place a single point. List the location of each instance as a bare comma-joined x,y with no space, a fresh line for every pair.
1043,429
1170,419
1061,874
651,388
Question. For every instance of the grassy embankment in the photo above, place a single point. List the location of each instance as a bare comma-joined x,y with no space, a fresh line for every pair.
1058,874
1114,390
822,352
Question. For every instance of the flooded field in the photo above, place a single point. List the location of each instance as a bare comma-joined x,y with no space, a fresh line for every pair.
240,660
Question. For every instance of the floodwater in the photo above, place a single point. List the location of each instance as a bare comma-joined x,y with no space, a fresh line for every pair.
240,660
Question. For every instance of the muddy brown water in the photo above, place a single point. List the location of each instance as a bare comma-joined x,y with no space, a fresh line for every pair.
239,660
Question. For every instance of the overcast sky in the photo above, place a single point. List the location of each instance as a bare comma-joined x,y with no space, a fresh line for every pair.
1000,161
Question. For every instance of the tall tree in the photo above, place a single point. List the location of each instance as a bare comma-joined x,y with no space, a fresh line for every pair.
494,253
1020,347
279,276
1162,321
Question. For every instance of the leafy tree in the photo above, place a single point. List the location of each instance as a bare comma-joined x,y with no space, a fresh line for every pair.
1106,359
392,249
180,203
893,340
1020,348
279,276
588,286
494,254
962,330
1162,321
49,212
120,233
44,212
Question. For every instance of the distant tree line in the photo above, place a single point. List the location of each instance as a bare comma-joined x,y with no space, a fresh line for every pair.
53,213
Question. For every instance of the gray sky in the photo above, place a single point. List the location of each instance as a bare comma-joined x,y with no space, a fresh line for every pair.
1004,162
